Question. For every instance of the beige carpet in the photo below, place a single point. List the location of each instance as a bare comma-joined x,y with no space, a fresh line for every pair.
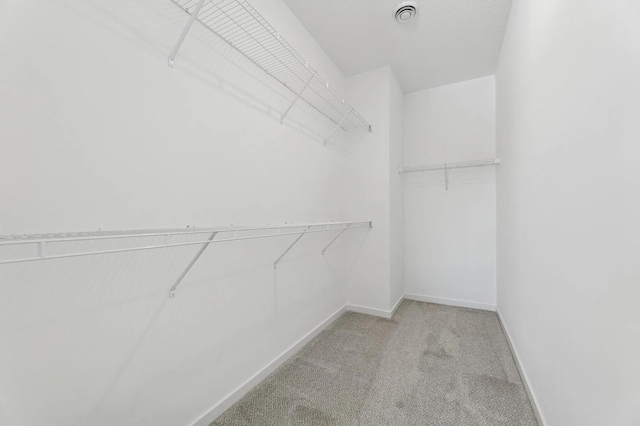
429,365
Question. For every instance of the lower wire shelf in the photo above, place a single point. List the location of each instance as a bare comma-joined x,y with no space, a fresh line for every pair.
40,242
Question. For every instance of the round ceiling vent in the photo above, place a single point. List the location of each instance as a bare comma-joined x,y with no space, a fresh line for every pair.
406,10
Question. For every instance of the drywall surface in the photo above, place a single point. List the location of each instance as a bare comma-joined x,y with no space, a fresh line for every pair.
450,246
97,125
368,190
396,190
97,131
376,280
568,103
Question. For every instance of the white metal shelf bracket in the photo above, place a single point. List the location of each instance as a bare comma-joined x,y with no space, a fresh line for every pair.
296,99
185,31
338,126
446,177
334,240
275,264
172,291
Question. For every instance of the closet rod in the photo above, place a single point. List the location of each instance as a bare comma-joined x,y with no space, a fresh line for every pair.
41,242
449,166
107,235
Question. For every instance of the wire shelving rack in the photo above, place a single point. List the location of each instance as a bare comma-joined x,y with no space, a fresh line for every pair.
165,238
448,166
244,29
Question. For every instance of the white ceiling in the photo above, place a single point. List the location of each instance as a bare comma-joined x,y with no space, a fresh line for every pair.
447,42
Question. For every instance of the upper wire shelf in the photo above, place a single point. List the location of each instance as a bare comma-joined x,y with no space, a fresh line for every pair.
244,29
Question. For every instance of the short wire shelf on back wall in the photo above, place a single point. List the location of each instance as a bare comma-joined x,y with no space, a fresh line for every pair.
248,32
449,166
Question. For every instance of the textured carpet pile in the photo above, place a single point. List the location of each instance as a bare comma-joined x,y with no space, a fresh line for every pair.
429,365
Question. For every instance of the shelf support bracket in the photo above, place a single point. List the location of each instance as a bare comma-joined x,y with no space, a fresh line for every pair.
41,250
290,247
446,177
172,291
337,127
334,240
185,31
296,99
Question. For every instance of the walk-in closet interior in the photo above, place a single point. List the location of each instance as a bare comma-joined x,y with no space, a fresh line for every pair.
336,212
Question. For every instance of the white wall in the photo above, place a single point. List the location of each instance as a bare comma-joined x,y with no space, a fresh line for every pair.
376,279
396,190
568,102
450,235
97,131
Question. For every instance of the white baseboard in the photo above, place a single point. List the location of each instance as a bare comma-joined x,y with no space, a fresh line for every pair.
242,390
450,302
239,392
374,311
523,374
369,311
396,306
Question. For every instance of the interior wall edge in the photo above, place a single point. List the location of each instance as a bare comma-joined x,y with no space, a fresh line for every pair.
397,305
450,302
523,375
419,298
375,311
233,397
382,313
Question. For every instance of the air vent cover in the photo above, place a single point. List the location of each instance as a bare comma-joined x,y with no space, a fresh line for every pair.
406,10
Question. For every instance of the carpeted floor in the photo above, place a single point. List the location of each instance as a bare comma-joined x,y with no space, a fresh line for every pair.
429,365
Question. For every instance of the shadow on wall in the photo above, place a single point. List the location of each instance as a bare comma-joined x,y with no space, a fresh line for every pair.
92,339
457,177
155,26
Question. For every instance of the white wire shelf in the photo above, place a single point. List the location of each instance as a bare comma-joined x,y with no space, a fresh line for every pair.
244,29
448,166
41,242
457,165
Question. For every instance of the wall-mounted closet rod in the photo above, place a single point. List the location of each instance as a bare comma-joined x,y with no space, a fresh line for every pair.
42,254
456,165
334,240
12,240
108,235
448,166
